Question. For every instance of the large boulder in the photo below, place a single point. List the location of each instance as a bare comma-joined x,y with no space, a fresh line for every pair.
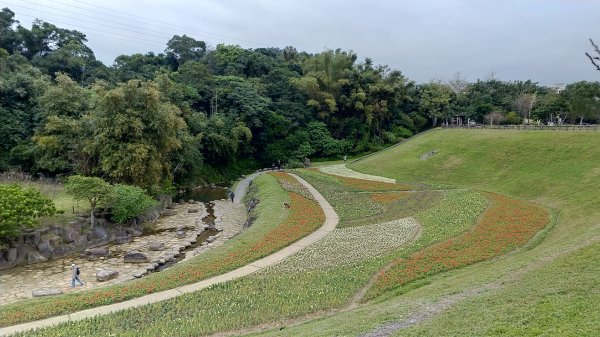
106,274
35,257
168,212
81,242
46,249
69,235
11,256
97,252
46,292
100,233
63,250
135,257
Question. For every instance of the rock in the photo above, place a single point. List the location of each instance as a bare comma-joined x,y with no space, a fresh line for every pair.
80,242
150,267
168,212
34,257
210,239
181,202
157,246
180,234
134,232
170,207
122,239
191,202
193,210
46,249
69,235
100,233
76,226
106,274
101,222
97,252
63,250
169,257
32,238
12,255
162,261
135,257
140,273
46,292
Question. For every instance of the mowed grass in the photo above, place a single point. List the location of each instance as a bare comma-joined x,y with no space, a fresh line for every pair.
543,289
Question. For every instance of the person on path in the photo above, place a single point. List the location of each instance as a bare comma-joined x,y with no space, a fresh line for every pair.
75,276
231,195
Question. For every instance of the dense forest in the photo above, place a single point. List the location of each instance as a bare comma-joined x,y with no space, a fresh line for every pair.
196,114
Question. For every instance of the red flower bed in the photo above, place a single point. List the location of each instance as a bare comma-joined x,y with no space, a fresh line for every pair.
507,224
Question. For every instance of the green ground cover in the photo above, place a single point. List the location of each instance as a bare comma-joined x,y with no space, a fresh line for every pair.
536,294
274,294
270,214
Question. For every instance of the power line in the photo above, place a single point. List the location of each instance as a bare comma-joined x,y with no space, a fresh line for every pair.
111,34
98,23
170,25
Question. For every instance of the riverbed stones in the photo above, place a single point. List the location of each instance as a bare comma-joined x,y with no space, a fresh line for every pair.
180,234
134,256
193,210
140,273
46,249
97,252
46,292
106,274
168,212
157,246
100,233
122,239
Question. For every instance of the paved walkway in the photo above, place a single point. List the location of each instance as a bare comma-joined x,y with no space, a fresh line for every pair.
331,221
242,187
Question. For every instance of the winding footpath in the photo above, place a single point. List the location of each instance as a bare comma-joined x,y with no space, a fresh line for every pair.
331,221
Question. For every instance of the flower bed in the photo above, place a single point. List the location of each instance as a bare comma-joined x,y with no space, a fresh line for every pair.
343,171
304,217
290,184
388,198
351,245
507,224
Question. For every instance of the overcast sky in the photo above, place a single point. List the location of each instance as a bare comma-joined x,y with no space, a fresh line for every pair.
542,40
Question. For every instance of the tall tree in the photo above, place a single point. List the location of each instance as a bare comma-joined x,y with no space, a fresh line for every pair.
583,100
136,134
181,49
434,101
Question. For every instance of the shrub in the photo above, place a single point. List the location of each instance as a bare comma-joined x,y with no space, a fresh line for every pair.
130,201
20,208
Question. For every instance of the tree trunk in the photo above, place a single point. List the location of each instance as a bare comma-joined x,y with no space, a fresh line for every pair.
434,121
92,218
581,121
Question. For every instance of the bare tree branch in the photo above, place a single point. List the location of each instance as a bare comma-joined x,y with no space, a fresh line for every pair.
593,59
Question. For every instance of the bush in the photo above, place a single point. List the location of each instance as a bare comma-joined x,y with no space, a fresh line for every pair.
20,208
130,201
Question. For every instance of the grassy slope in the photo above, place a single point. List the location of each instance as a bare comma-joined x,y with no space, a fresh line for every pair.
559,170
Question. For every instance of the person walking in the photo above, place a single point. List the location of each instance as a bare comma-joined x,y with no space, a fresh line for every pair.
231,195
76,274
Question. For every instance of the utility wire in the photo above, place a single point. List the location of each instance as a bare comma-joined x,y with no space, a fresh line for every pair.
162,35
171,25
110,34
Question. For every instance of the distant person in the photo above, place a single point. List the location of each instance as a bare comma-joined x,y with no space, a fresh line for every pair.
231,195
76,274
345,158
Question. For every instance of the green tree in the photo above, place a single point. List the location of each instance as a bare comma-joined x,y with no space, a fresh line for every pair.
181,49
583,100
92,189
20,208
136,133
129,201
435,101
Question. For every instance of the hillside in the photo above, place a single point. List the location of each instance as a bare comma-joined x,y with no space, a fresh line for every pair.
549,289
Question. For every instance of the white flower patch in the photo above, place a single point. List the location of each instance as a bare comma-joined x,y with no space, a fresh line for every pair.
343,171
349,245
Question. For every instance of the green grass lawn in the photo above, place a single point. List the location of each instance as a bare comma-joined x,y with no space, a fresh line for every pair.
559,170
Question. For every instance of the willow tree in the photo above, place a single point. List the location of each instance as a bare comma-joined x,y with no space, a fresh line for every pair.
136,132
